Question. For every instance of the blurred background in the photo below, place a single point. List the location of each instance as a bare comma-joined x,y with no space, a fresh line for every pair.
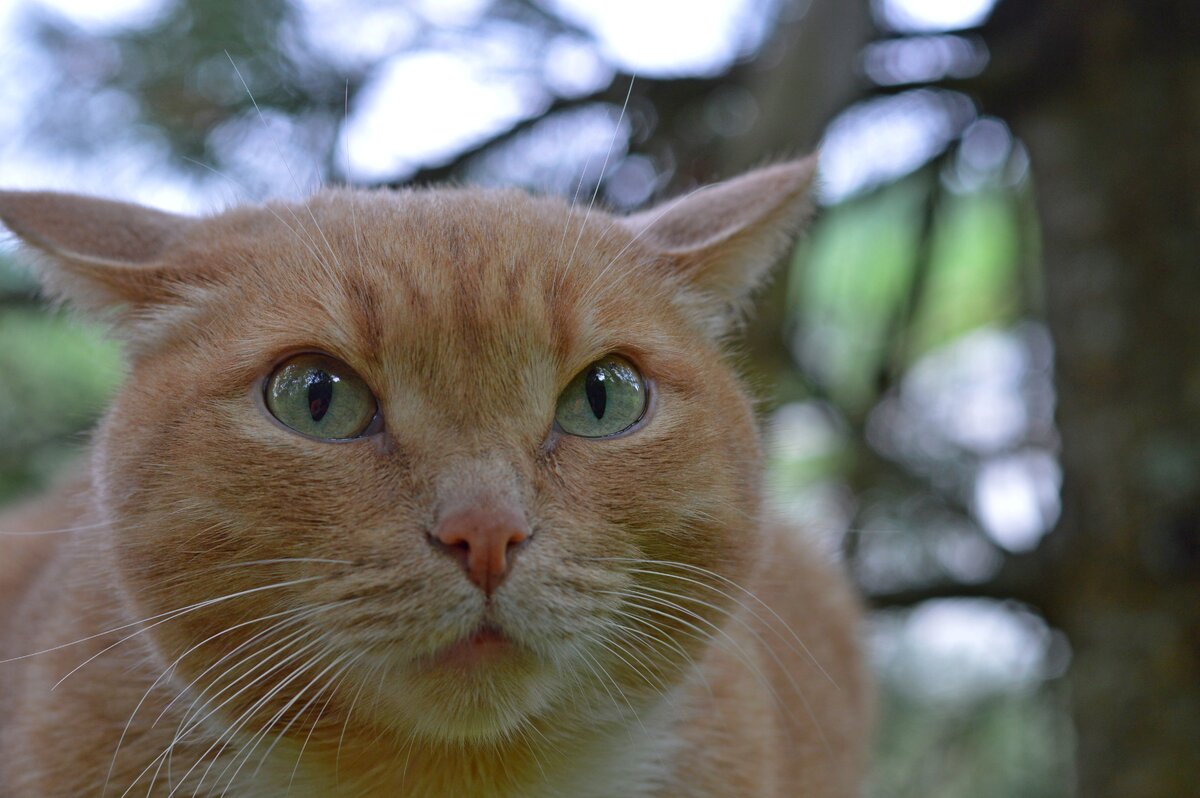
980,371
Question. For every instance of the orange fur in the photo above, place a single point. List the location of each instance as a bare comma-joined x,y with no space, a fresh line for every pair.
663,639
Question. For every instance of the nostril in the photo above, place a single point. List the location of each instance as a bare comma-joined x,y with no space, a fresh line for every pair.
481,539
458,547
455,541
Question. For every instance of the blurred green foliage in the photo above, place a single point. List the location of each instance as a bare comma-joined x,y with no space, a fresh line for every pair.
1004,745
975,273
56,375
871,296
883,281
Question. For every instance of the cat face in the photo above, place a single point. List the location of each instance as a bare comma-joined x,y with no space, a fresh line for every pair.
457,542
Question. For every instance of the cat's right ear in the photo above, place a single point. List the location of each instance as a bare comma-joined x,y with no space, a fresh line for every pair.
723,239
96,254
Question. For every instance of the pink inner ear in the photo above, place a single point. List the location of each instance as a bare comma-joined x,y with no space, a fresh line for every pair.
723,239
773,197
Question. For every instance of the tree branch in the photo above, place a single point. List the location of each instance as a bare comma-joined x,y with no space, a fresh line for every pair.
1023,578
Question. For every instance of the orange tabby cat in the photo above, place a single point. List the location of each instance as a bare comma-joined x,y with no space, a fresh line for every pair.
423,493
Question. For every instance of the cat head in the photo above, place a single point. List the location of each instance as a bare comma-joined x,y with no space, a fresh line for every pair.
473,451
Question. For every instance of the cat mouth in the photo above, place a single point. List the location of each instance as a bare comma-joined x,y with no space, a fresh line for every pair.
486,644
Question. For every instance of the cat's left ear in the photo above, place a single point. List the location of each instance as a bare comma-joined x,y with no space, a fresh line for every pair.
723,239
98,254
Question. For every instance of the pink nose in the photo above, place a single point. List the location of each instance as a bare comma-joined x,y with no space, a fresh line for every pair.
481,539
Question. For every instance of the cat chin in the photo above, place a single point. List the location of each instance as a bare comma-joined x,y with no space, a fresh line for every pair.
483,697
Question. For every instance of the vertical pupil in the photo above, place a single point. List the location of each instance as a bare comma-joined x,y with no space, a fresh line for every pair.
597,395
320,393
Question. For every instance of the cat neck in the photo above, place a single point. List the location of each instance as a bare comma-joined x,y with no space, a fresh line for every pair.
584,752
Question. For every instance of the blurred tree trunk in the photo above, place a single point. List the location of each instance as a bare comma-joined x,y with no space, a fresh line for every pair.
1106,95
808,72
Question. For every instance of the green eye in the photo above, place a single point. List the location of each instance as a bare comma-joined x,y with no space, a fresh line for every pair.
605,398
320,397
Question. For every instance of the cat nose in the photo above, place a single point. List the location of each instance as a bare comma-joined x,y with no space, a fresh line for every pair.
482,540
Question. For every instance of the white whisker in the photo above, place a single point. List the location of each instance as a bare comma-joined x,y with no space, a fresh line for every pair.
175,613
708,573
295,183
600,179
738,650
168,670
612,261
